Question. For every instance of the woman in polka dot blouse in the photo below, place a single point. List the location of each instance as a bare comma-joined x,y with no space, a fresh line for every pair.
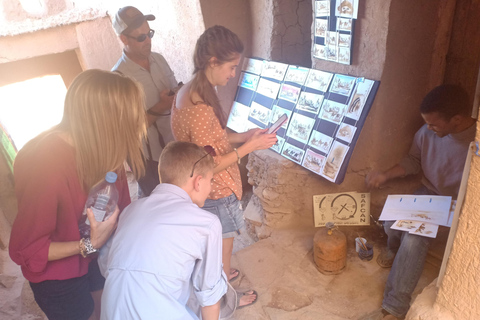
198,117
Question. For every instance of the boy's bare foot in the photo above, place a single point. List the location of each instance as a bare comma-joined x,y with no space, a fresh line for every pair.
234,273
246,298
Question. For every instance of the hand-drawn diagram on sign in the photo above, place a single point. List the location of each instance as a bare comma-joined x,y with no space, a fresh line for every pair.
348,208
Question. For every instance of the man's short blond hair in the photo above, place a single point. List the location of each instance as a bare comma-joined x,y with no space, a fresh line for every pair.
177,160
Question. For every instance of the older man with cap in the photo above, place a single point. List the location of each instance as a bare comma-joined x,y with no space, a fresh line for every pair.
153,72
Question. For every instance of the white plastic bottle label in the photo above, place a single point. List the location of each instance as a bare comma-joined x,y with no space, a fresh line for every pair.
99,214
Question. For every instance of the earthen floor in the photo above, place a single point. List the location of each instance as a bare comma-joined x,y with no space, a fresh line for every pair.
280,268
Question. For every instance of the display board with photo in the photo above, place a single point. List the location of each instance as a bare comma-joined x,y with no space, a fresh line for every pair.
325,111
332,28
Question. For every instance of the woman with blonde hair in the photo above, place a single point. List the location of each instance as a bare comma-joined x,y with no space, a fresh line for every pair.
102,126
197,117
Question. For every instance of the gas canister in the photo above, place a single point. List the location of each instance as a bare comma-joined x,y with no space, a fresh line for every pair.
330,249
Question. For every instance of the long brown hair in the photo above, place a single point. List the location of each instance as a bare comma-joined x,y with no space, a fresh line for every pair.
225,46
104,118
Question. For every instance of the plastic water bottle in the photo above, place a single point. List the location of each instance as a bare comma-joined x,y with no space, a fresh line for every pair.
102,199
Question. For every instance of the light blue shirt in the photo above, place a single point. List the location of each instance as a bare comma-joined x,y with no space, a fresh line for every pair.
164,250
159,78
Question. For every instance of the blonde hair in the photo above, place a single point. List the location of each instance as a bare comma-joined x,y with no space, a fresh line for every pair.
105,118
177,160
225,46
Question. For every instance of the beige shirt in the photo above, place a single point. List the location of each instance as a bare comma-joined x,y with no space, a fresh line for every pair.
200,125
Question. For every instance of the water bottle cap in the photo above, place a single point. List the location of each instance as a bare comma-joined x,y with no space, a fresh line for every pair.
111,177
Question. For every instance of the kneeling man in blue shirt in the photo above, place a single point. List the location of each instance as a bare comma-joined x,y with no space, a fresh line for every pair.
166,249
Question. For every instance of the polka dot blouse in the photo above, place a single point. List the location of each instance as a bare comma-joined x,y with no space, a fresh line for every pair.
200,125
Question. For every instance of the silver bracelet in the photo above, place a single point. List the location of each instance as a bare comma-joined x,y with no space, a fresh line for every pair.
238,156
86,247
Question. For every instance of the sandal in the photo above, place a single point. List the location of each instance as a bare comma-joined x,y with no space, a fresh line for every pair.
385,258
241,294
235,277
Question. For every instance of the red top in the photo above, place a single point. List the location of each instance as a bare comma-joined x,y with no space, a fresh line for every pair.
50,205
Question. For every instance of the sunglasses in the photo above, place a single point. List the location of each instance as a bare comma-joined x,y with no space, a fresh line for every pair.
142,37
208,150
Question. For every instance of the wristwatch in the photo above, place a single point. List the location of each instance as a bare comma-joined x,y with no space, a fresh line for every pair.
86,247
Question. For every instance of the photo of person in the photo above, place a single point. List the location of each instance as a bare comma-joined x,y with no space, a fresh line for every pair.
238,117
334,161
268,88
289,93
346,132
275,70
300,127
248,81
296,74
310,102
313,161
277,112
332,111
252,65
260,113
342,84
318,80
277,147
293,153
320,141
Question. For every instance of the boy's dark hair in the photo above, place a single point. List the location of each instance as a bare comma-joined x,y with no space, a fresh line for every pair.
448,100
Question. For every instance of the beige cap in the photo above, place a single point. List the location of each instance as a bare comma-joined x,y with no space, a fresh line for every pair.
128,19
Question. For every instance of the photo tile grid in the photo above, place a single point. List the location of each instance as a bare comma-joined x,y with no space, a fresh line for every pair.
323,110
333,25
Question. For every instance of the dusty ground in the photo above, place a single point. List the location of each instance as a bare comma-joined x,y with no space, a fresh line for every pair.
280,269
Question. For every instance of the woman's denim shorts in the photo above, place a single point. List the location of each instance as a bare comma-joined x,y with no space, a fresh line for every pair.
229,211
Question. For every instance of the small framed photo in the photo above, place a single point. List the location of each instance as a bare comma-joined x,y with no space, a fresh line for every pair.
344,40
344,55
320,141
274,70
346,132
344,24
249,81
289,93
334,161
260,113
252,65
296,74
300,127
293,153
322,8
342,84
321,26
313,161
268,88
318,80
